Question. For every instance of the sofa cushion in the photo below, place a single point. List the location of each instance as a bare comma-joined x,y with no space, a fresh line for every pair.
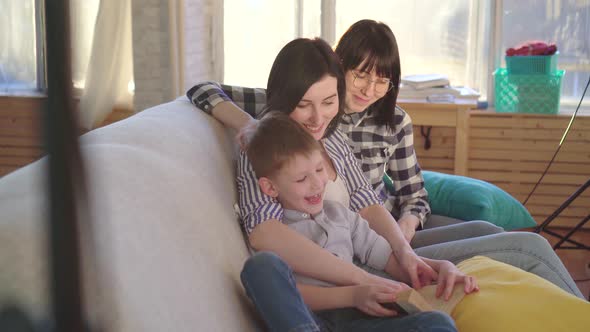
472,199
467,198
169,247
511,299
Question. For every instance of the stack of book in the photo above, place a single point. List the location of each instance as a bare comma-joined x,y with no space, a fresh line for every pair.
434,88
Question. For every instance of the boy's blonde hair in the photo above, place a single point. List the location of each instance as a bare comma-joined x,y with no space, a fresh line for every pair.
274,140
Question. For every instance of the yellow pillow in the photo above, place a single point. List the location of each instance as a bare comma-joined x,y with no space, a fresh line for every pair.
511,299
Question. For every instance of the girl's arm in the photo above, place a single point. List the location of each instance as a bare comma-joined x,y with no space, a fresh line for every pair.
232,105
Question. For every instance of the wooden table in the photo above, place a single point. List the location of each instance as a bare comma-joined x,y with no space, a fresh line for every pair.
454,115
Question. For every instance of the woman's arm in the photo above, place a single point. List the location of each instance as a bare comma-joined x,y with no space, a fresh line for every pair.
364,200
405,173
382,222
448,276
303,255
232,105
419,273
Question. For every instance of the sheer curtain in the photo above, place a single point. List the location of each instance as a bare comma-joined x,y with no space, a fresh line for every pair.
110,68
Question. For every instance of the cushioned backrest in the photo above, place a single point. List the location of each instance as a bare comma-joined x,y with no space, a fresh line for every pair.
169,246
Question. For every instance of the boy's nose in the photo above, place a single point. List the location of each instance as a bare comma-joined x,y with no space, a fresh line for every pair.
316,182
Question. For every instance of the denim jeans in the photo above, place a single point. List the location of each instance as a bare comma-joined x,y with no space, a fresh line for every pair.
269,283
456,240
439,229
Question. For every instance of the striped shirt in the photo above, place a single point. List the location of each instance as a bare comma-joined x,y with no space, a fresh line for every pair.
256,207
380,150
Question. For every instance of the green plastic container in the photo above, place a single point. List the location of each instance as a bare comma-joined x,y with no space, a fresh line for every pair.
527,93
532,64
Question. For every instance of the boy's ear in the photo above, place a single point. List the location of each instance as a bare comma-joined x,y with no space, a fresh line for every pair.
268,187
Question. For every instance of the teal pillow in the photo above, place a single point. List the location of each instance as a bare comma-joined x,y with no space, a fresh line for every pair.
472,199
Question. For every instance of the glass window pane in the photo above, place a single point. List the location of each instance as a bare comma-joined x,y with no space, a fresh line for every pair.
432,36
565,23
254,33
312,13
18,69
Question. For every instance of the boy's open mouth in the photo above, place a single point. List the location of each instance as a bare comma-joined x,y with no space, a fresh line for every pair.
313,200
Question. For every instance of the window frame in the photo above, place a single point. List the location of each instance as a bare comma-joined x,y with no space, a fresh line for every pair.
40,41
492,32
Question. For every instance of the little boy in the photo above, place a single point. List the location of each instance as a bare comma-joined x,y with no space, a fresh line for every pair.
289,166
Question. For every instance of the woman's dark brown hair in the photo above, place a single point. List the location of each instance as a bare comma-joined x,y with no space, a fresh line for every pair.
300,64
374,42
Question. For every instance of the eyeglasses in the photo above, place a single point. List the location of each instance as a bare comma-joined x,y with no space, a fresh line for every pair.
382,85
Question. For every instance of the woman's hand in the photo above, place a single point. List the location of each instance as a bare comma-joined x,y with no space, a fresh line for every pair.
243,134
448,276
416,271
371,279
369,298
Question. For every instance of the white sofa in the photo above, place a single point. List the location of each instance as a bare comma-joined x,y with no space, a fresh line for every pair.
169,247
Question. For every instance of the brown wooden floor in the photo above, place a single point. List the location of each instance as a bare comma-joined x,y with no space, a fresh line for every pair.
575,260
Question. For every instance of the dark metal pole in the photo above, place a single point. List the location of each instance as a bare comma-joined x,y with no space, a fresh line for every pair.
65,181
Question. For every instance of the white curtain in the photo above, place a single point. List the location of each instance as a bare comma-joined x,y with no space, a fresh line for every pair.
110,68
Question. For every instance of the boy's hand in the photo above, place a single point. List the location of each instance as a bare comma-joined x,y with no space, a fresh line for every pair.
369,298
448,276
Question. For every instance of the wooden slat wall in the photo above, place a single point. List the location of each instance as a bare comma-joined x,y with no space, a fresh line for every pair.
20,130
512,151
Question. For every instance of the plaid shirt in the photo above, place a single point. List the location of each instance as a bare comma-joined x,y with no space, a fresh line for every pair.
378,148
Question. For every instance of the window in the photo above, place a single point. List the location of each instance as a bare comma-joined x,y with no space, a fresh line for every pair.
255,31
18,48
432,36
464,39
22,43
565,23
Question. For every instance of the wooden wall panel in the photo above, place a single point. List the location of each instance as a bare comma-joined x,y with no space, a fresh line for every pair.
512,151
20,130
441,156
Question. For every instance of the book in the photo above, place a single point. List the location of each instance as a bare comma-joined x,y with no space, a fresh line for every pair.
413,301
423,81
441,94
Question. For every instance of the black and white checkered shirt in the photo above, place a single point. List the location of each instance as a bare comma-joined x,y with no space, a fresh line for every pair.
378,148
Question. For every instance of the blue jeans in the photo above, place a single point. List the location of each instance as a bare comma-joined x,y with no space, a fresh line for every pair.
270,284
